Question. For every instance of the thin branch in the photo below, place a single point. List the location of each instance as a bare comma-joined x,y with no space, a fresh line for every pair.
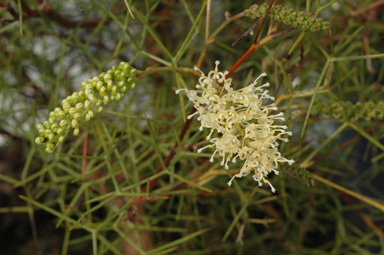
207,20
152,70
211,39
249,31
47,11
375,4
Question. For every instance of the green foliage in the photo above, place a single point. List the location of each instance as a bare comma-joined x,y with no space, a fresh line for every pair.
132,180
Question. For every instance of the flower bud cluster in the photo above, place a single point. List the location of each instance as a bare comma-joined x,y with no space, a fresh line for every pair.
289,16
83,105
355,111
245,126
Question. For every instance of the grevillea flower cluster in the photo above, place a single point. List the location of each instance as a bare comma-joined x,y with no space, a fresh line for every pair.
245,127
289,16
82,106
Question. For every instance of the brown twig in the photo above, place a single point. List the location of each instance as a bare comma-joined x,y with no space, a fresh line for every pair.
51,14
211,39
207,20
246,33
362,10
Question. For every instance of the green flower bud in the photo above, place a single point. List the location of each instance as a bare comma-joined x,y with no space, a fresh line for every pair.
114,90
107,77
75,96
81,95
94,94
72,111
90,114
77,116
98,102
120,84
76,132
40,128
61,115
54,127
50,147
125,68
61,139
74,123
49,150
39,140
99,85
118,75
103,91
90,96
87,105
63,123
66,107
109,85
105,100
83,84
79,107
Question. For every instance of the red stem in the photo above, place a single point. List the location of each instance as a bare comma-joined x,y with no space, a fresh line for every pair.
241,60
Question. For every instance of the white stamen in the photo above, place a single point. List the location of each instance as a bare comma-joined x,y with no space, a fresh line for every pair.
245,128
177,91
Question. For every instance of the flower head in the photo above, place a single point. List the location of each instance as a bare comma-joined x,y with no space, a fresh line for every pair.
82,106
244,124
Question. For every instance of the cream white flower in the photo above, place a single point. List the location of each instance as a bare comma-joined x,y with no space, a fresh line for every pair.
243,121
